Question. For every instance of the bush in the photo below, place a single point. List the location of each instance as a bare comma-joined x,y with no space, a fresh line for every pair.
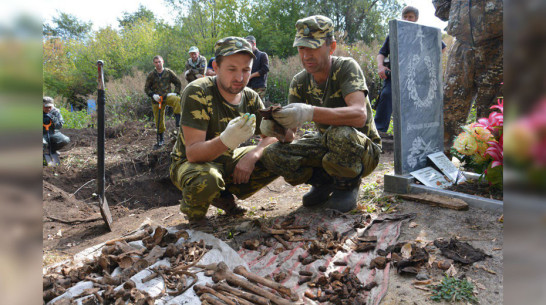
76,119
126,100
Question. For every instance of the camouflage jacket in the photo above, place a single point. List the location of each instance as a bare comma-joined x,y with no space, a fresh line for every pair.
161,84
474,25
204,108
198,67
346,77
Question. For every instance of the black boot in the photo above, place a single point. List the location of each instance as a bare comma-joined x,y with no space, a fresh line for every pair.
161,141
177,120
321,188
345,194
226,202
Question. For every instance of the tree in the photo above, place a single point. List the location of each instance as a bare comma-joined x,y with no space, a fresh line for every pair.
66,27
364,20
141,15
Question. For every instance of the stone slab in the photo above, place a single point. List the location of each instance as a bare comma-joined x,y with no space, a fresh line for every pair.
416,94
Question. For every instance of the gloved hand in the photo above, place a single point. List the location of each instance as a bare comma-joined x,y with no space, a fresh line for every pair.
238,130
171,94
156,97
294,115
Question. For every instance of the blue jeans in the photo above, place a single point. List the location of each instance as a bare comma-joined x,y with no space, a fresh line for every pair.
384,107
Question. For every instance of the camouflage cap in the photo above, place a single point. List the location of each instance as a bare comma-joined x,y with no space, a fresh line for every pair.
231,45
312,31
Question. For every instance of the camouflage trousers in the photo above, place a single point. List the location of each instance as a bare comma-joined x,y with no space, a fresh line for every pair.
471,73
341,151
172,101
201,183
261,93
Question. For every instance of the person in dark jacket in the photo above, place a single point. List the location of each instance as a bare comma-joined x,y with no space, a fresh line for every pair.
260,67
53,119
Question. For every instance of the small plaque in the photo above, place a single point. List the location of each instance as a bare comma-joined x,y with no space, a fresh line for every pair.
431,177
446,167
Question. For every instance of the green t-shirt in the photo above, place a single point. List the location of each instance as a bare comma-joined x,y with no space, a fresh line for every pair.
346,77
204,108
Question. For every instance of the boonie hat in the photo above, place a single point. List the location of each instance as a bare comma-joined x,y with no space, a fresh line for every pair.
312,31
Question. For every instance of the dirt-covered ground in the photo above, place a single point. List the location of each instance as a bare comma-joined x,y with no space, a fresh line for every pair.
138,189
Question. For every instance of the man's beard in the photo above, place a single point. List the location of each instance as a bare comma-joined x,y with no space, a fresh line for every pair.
230,89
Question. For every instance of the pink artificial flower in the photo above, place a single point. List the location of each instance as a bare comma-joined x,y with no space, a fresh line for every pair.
495,151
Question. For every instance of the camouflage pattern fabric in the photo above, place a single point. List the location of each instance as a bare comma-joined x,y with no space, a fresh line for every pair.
313,31
204,108
201,183
261,92
172,101
472,74
342,151
195,69
472,25
161,85
345,77
231,45
475,65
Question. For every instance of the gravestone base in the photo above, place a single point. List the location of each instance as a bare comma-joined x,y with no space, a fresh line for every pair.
398,184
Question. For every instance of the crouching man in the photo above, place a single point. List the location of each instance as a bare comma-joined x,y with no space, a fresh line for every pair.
218,114
331,91
54,120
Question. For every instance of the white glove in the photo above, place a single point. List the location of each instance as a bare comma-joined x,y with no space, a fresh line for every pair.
171,94
156,97
238,130
294,115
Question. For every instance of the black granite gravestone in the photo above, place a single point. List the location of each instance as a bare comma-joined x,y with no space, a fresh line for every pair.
416,94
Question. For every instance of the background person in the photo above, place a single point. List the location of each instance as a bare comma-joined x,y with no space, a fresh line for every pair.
196,65
158,85
53,116
383,111
260,67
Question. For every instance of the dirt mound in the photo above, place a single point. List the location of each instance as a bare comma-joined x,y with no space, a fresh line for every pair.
60,205
136,175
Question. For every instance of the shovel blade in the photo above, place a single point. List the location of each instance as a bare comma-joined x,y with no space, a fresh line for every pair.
52,159
105,212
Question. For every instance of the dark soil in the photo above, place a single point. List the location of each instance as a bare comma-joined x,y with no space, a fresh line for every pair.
477,188
138,189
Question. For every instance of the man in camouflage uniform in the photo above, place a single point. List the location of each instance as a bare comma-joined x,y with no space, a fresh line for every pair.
475,64
332,92
158,88
219,113
196,66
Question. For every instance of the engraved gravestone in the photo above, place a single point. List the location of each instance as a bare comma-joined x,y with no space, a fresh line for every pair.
416,94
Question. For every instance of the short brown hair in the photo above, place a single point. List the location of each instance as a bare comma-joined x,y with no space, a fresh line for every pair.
158,57
410,9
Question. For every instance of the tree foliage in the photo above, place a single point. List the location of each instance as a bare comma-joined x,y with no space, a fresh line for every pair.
141,15
72,48
67,26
